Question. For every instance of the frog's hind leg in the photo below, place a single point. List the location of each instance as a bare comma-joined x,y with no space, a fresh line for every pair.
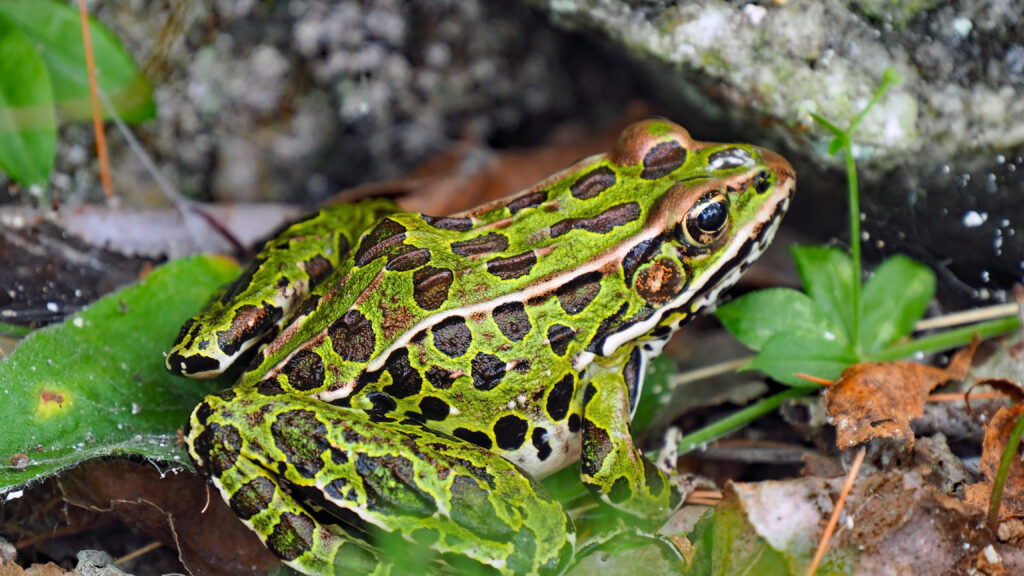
272,456
283,274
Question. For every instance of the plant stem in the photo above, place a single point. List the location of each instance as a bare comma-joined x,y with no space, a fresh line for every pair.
1004,468
739,419
948,339
851,179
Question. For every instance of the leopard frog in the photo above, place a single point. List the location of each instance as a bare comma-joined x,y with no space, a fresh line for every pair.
416,374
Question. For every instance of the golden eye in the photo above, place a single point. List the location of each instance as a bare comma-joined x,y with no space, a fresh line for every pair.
708,218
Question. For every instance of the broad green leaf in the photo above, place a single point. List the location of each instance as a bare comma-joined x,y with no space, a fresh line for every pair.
56,29
28,127
96,385
755,317
827,274
785,355
894,299
726,544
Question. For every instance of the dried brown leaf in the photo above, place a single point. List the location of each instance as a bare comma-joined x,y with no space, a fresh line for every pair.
997,433
879,399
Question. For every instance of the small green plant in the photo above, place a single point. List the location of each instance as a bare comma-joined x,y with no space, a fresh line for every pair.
43,75
837,321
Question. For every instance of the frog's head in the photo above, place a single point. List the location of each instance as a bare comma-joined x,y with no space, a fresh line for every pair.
719,207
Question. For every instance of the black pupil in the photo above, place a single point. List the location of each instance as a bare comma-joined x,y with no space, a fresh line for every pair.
712,217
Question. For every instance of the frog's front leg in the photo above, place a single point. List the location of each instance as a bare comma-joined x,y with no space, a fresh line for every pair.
610,465
316,482
261,298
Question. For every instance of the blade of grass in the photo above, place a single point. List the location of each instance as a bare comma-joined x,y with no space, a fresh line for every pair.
948,339
1004,468
737,419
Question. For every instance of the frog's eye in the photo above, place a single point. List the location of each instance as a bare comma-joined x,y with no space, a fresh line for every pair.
707,218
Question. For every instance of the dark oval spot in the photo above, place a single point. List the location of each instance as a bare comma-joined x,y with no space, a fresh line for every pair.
408,258
574,423
492,242
596,446
318,268
305,370
528,200
391,486
663,159
540,442
440,378
471,508
513,266
291,536
434,408
249,322
430,286
603,223
578,293
510,432
487,371
405,381
461,224
385,237
252,497
660,282
302,437
512,320
473,436
559,337
639,254
593,183
352,337
452,336
381,404
560,397
219,447
633,378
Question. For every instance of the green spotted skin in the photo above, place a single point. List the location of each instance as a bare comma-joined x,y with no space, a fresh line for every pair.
417,373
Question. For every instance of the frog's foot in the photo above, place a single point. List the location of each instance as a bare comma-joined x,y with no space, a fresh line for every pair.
264,297
319,483
625,535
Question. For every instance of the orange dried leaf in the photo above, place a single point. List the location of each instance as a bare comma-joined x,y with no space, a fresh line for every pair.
997,433
879,399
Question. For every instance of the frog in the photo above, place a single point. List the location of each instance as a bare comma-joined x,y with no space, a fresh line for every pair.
414,377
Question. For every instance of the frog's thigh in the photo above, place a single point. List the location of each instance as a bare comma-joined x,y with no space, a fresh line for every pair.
610,465
397,477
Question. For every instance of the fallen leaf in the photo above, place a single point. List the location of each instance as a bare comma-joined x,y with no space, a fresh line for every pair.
997,432
179,510
879,399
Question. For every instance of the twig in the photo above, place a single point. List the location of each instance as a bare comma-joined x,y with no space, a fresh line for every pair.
834,519
139,552
97,117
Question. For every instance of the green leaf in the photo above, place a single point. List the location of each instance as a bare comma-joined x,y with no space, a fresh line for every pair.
894,299
827,274
56,28
786,355
726,544
96,385
28,126
656,393
756,317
